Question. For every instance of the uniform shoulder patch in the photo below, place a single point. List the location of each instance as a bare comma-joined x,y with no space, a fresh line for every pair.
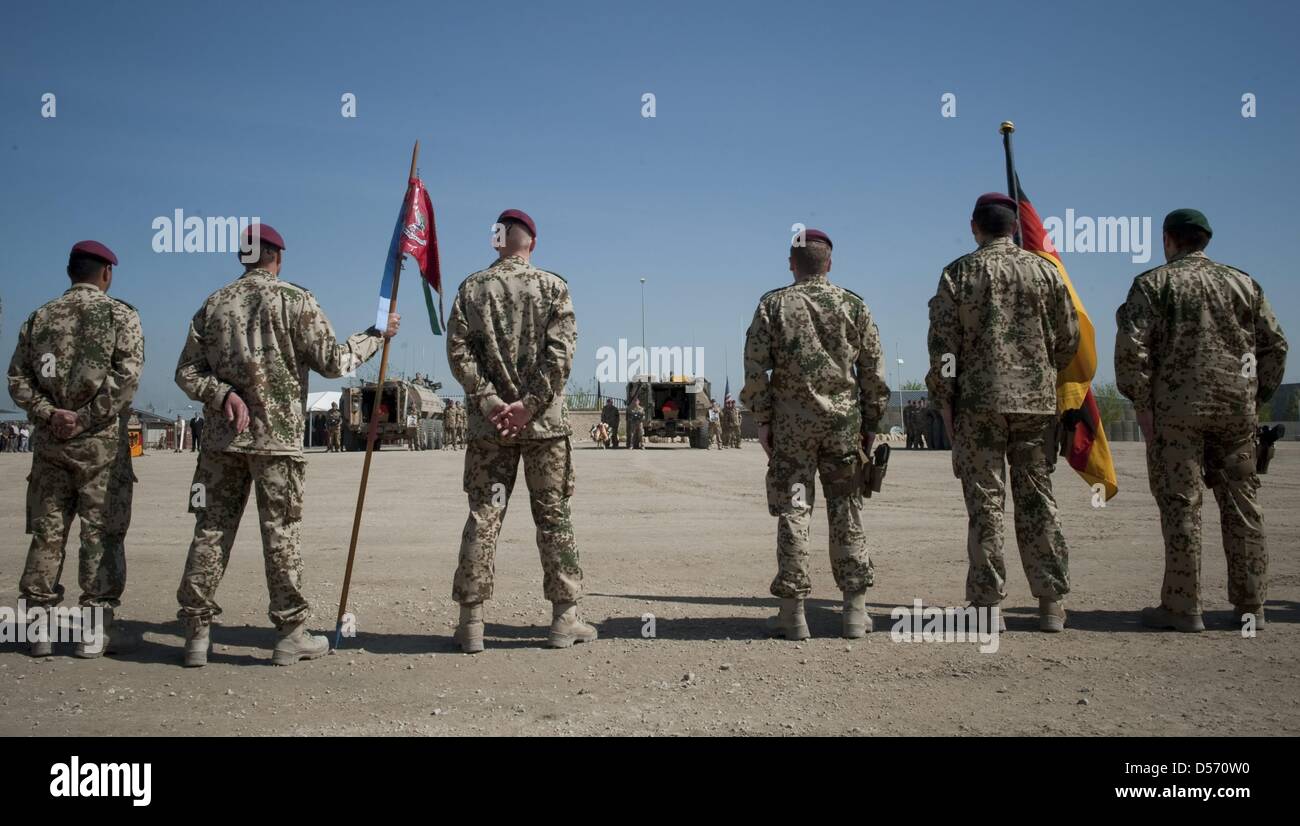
474,276
556,274
959,261
299,287
125,304
1231,268
855,295
1151,271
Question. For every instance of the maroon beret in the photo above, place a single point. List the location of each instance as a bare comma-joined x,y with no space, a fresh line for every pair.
95,250
266,235
817,235
520,216
995,199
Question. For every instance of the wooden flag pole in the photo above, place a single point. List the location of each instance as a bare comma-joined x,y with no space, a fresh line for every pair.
374,432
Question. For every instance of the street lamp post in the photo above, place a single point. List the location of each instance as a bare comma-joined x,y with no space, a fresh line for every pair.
898,379
645,354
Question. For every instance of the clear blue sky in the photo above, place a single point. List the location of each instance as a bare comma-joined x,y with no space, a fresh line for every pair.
767,114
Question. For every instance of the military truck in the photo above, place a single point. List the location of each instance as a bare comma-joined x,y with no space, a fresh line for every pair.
687,401
399,399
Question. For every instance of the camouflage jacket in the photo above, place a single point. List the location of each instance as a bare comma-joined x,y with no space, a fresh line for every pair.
1198,338
823,350
729,416
1002,325
83,352
334,419
511,337
259,336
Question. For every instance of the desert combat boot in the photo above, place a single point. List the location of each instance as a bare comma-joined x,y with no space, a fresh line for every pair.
1240,612
1164,619
567,628
198,643
789,621
857,622
469,633
109,638
297,644
1051,615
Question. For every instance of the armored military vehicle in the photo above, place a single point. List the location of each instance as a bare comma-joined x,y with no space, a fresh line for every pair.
674,408
399,399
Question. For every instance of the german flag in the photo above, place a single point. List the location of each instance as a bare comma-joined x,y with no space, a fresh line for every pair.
1089,453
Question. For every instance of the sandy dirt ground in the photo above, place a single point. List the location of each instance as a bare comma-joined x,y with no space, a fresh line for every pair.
683,535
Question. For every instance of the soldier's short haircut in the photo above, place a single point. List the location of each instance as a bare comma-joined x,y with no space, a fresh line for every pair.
513,227
266,256
992,219
85,267
811,259
1189,239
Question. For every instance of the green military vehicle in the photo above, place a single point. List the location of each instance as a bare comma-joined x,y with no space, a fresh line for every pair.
674,408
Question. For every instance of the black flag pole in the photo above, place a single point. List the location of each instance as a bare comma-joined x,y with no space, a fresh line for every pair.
1013,180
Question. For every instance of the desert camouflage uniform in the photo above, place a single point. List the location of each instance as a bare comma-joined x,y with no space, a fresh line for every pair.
715,428
512,336
827,389
257,336
609,415
1008,318
83,352
1185,335
462,422
731,425
635,426
334,422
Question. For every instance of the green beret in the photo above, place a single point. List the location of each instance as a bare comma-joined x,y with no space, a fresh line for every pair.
1180,218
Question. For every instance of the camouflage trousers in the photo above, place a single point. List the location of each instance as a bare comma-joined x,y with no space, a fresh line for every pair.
636,436
731,435
91,479
1028,443
336,440
715,435
1176,459
490,470
791,494
217,499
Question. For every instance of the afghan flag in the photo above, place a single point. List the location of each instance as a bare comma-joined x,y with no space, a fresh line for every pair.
1089,454
415,235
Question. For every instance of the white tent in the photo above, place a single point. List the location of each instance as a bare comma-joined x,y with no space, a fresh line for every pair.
319,403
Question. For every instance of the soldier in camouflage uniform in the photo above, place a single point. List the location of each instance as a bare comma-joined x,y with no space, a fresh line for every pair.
334,422
715,425
635,424
75,371
247,357
816,414
730,423
449,425
1198,350
462,421
510,344
1002,325
609,415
